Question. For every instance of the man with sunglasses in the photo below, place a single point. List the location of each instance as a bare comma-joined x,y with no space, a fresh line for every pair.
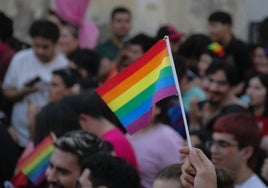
235,145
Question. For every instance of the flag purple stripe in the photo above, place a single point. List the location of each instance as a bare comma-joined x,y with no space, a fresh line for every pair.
165,92
39,179
139,123
144,120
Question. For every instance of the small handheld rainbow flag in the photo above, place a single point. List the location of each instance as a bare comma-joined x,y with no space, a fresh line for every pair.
132,93
35,165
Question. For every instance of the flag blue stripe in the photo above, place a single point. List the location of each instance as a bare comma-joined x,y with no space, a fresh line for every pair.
144,107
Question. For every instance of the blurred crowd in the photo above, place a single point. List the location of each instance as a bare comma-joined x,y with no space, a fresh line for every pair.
49,86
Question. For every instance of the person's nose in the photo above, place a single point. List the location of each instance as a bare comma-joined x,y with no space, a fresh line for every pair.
213,147
213,86
39,51
249,91
51,174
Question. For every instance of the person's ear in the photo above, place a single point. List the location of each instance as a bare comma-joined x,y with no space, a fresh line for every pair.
156,110
84,121
248,152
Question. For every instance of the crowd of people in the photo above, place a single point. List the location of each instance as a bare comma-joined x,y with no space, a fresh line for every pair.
49,86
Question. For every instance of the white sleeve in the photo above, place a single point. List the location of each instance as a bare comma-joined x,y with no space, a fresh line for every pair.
12,75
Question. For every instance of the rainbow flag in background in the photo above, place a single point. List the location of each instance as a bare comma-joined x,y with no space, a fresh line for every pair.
36,163
132,93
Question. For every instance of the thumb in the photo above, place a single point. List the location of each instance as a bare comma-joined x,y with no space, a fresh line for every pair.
85,174
84,179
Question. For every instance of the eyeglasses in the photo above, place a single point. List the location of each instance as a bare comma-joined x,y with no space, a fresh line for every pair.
220,143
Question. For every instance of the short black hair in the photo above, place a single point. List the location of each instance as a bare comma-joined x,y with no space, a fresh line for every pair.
86,59
82,144
68,76
143,40
56,118
91,104
180,66
110,171
263,32
86,103
120,9
229,70
6,27
44,29
220,16
194,45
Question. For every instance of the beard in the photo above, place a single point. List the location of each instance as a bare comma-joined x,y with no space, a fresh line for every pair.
55,185
213,103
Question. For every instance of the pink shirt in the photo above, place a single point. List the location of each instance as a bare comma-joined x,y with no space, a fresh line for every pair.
122,146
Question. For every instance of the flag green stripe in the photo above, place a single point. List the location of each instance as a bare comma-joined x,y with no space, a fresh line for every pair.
143,96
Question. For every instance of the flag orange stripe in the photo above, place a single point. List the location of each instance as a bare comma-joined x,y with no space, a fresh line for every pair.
136,77
38,160
131,69
37,151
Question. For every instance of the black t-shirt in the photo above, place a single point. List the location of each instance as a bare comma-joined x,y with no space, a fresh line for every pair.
233,108
238,53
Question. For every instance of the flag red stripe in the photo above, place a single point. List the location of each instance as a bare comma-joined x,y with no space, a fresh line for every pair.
124,85
39,149
131,69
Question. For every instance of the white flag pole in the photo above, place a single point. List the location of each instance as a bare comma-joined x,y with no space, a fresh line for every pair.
179,92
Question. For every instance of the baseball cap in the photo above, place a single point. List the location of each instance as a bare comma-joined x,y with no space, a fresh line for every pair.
170,31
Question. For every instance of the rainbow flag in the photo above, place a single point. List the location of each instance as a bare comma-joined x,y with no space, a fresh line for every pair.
132,93
36,163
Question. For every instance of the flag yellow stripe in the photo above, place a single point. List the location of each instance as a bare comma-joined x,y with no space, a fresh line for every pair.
38,159
138,87
141,73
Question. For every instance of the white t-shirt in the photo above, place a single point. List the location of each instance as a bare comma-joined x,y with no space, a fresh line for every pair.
24,67
253,181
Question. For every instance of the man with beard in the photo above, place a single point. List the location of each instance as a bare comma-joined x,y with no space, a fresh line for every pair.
68,157
220,79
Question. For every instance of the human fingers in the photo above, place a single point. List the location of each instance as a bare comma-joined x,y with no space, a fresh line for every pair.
84,179
187,181
85,174
195,160
204,158
184,150
187,168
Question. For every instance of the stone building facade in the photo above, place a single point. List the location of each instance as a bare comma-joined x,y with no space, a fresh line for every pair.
189,16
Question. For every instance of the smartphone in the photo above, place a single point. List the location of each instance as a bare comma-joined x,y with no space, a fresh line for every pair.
33,81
